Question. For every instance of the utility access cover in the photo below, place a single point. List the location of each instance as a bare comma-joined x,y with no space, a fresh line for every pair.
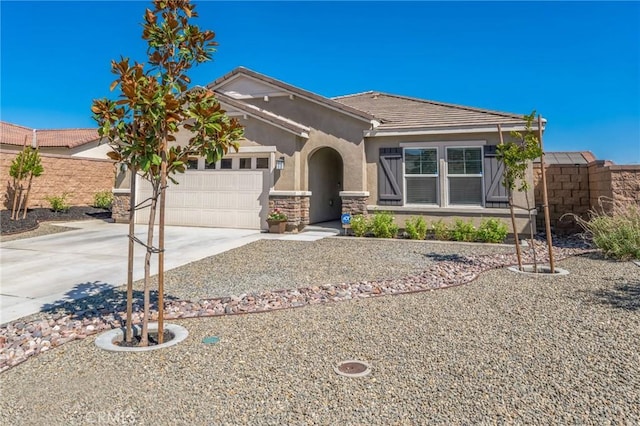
352,368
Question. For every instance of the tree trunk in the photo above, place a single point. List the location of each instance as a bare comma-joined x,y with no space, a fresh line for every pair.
14,205
19,201
147,264
26,197
132,226
533,245
163,186
515,231
18,181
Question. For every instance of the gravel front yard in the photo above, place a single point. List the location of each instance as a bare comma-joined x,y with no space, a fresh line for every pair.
506,348
275,264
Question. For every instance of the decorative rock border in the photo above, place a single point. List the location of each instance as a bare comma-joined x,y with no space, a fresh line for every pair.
22,339
106,340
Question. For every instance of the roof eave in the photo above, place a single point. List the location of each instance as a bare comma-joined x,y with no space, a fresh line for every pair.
446,130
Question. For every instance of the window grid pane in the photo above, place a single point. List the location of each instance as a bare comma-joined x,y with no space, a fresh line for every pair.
464,161
225,163
420,162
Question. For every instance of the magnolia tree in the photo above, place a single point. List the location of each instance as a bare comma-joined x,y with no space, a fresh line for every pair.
153,105
516,155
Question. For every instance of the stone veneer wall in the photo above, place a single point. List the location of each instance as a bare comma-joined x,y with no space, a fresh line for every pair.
80,177
296,207
120,206
354,204
577,188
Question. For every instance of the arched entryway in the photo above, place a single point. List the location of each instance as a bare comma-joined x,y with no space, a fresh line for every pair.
325,183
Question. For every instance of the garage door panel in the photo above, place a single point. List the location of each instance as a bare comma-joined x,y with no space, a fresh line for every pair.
230,198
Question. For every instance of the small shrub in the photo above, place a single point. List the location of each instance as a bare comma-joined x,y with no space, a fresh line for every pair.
103,200
59,203
614,230
440,230
492,231
360,225
416,228
382,225
463,231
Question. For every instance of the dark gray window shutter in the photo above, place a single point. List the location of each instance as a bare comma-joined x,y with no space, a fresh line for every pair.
496,194
390,177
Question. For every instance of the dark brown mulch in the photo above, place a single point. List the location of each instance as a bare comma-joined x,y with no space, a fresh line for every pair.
35,216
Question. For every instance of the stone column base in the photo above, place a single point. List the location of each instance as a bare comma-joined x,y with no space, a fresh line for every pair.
295,204
354,202
121,205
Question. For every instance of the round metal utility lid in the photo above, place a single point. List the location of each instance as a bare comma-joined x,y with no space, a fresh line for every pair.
352,368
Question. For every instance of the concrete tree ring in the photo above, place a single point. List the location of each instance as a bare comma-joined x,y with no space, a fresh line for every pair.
543,270
107,340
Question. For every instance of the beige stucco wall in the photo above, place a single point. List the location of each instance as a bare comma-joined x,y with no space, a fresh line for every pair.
373,145
329,128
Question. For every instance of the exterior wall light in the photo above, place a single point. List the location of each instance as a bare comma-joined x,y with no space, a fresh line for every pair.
280,163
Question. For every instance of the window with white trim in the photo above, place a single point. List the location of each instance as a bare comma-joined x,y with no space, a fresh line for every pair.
421,175
464,176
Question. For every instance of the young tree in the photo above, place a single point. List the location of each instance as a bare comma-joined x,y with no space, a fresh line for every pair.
25,166
516,156
154,103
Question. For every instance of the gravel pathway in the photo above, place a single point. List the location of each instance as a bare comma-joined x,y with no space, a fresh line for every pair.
507,349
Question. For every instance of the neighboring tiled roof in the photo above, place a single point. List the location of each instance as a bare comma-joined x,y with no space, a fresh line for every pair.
12,134
262,114
294,90
570,158
401,112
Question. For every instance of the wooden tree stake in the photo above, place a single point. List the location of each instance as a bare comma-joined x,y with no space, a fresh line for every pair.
545,200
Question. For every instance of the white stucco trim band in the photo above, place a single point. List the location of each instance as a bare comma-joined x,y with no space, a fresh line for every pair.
290,193
256,149
488,211
354,193
446,130
121,190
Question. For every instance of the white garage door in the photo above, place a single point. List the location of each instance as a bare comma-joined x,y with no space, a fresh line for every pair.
221,198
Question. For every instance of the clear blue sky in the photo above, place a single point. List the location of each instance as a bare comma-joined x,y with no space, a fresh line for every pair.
578,64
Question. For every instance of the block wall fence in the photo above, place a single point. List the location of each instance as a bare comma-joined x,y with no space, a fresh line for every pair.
80,178
578,188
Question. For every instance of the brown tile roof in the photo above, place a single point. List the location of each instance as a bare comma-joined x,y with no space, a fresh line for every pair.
294,90
264,115
567,157
12,134
402,112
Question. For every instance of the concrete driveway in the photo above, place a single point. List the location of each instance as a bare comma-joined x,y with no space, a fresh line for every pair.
40,271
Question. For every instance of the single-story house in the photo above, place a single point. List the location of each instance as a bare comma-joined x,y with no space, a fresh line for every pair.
316,157
70,142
